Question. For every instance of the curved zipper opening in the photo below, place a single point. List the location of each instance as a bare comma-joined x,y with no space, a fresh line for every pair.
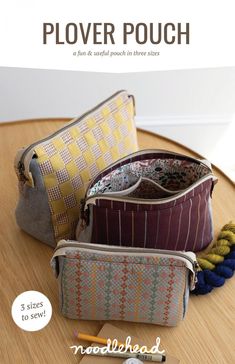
92,199
142,152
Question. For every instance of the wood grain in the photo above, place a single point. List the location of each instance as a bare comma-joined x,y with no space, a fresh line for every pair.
205,336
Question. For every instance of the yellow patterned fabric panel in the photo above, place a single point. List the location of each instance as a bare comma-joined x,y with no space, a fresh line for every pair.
69,160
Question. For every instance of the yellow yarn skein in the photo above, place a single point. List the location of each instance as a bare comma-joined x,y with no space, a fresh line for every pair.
219,249
222,242
230,227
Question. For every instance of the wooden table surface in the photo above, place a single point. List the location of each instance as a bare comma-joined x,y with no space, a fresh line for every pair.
206,336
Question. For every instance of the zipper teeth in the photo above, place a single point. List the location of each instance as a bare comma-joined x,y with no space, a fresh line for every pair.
123,249
79,119
143,201
146,151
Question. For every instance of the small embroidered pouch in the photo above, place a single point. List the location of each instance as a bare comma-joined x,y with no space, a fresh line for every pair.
54,172
99,282
150,199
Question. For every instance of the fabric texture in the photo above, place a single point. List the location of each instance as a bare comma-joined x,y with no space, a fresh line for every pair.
68,160
97,286
32,212
170,173
162,201
183,224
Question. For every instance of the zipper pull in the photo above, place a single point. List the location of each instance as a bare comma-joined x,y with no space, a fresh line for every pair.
83,219
21,176
193,278
84,214
133,101
196,266
21,169
22,166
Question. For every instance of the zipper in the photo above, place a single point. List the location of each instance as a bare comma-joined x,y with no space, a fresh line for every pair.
92,199
21,167
139,153
189,257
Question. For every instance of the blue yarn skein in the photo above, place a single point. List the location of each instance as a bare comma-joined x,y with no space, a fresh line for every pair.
229,263
212,278
231,255
224,271
207,279
201,286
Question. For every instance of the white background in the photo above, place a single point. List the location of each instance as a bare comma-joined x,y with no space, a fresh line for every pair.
212,30
191,100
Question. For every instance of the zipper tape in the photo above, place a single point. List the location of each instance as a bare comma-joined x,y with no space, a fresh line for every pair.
188,257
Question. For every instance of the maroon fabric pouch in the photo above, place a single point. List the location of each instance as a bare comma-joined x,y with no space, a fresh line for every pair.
150,199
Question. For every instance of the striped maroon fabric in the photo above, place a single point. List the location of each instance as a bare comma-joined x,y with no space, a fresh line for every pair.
182,224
